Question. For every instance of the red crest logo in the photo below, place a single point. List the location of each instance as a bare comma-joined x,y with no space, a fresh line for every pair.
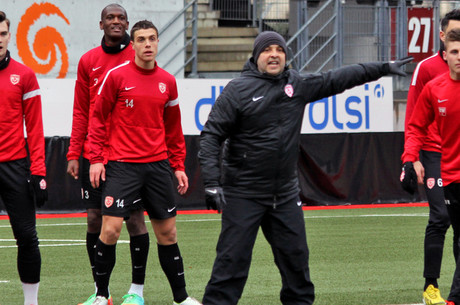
108,201
43,184
162,87
430,183
14,79
289,90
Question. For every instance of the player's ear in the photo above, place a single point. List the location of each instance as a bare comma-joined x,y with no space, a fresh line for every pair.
444,55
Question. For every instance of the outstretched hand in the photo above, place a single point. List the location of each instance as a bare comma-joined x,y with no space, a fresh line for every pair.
394,67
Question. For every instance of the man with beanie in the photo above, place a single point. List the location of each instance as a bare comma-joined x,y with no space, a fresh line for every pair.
259,115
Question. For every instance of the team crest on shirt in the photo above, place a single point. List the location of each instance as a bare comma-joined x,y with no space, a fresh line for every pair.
14,79
162,87
289,90
108,201
442,111
430,183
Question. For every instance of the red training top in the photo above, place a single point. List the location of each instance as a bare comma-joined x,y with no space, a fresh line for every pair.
145,122
426,70
20,101
438,102
92,68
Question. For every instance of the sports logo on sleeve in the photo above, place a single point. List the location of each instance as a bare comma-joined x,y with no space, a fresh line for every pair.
14,79
162,87
289,90
108,201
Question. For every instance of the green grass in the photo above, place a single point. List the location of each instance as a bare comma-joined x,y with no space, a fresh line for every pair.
357,256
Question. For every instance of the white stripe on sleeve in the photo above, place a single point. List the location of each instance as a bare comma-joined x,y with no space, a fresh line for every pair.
31,94
172,103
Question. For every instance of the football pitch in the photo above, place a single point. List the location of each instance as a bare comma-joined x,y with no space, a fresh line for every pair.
368,256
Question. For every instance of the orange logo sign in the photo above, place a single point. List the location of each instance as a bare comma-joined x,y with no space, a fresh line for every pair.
45,41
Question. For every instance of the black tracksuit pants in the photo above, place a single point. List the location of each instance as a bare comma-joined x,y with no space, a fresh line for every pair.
283,227
18,201
452,194
439,220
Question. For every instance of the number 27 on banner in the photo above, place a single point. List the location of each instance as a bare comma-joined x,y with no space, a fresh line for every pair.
420,33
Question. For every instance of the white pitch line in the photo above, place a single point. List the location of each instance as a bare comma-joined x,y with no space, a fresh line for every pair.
65,243
219,219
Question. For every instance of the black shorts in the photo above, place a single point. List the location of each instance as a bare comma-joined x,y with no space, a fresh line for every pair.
127,182
92,197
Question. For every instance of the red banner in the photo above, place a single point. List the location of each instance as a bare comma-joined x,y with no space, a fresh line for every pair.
420,33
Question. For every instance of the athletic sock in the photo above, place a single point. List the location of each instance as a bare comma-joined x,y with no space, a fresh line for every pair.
173,267
137,289
91,240
430,281
104,263
30,293
139,246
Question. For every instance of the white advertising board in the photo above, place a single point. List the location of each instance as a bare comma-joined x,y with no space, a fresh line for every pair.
366,108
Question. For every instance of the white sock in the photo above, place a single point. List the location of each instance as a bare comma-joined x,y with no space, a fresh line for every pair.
30,293
137,289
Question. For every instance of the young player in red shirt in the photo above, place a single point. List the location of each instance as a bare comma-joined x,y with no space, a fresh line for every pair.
439,102
20,103
430,157
139,101
115,49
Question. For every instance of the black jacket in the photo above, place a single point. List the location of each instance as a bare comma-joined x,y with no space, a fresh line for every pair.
259,117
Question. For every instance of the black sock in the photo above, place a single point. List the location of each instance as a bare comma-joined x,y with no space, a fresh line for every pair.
430,281
104,262
173,267
139,246
91,240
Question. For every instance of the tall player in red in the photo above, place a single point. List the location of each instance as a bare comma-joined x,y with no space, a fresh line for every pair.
430,157
139,101
115,49
439,102
20,102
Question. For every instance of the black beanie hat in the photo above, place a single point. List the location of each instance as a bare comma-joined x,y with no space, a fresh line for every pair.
266,39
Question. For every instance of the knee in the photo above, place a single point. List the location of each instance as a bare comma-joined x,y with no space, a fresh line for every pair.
110,235
94,221
136,223
27,238
166,236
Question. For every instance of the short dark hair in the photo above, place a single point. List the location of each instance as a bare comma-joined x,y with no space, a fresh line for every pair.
3,18
452,15
104,10
453,35
142,25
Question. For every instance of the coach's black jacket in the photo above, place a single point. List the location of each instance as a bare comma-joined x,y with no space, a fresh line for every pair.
260,117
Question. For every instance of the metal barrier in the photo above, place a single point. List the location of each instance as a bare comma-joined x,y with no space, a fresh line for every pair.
191,23
321,34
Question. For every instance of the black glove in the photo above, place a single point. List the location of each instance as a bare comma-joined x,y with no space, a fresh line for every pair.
215,199
394,67
408,178
38,190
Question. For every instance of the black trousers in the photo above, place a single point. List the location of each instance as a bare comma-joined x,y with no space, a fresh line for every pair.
438,221
452,194
283,227
15,193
